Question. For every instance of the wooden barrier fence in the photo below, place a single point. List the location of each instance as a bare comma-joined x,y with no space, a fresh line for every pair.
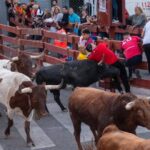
23,43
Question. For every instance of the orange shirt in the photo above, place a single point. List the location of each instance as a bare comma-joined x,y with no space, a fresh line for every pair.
59,43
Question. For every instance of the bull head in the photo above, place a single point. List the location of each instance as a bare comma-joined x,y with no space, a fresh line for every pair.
140,110
31,56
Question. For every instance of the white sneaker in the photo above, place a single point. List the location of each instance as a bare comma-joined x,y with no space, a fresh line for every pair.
115,21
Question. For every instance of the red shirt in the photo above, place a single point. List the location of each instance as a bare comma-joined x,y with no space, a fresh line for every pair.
131,47
103,52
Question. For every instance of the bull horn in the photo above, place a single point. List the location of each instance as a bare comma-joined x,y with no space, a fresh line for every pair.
148,98
37,56
26,90
129,105
54,87
15,59
100,62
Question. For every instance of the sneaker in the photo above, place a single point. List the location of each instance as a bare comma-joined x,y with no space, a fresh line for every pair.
115,21
137,73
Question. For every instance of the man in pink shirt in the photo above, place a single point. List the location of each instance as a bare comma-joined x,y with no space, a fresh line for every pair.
132,52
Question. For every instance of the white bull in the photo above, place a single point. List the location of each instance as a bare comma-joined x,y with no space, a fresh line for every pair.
20,96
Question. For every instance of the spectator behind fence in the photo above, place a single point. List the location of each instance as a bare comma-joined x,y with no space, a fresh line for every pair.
54,4
28,16
11,17
60,30
65,19
146,42
84,17
57,17
132,52
138,19
84,41
74,20
48,20
85,52
103,53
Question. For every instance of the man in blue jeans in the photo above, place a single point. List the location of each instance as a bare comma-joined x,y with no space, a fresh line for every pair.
115,12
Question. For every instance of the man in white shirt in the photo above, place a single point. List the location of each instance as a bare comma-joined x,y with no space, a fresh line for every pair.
146,42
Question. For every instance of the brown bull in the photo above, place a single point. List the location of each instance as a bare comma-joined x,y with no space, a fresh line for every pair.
99,109
115,139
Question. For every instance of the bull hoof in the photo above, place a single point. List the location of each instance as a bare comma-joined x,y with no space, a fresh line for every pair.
7,133
64,110
30,144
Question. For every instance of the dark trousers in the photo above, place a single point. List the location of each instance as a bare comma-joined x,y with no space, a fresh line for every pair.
132,63
115,9
123,75
147,52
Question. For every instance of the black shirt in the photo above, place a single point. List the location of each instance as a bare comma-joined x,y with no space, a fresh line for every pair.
65,19
83,19
11,16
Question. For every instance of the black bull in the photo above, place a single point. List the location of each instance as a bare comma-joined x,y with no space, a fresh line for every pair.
76,73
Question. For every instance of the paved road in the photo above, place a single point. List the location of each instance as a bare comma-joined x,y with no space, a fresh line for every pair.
54,132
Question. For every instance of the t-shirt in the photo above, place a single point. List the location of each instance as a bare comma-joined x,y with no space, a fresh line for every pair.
11,16
59,43
82,56
146,39
82,42
131,47
102,52
84,19
65,19
74,18
85,43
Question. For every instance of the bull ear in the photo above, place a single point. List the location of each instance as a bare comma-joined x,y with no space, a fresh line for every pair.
130,105
140,113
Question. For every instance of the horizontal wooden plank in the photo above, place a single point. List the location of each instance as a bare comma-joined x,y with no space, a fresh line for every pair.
90,27
54,35
53,48
141,83
3,56
31,43
9,51
30,31
52,60
143,66
11,40
10,29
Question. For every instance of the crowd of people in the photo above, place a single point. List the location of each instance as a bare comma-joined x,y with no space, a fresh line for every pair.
64,20
31,15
